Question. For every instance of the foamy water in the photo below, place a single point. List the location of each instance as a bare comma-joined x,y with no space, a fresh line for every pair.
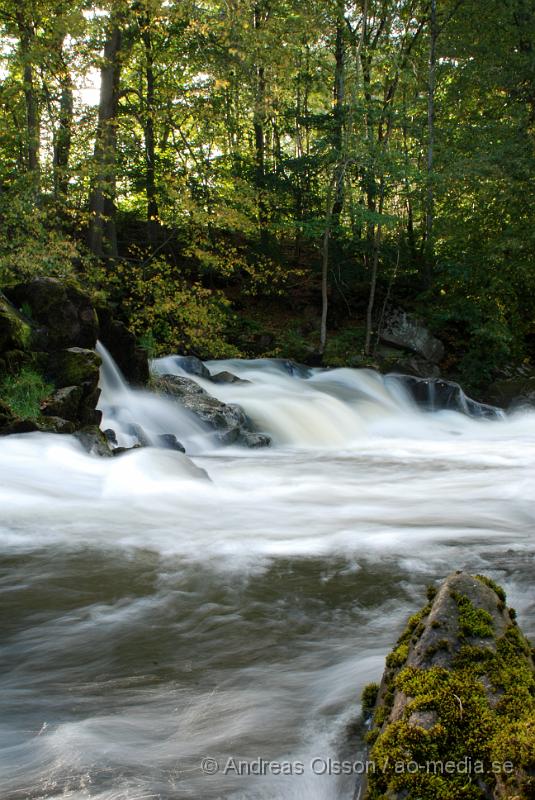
161,608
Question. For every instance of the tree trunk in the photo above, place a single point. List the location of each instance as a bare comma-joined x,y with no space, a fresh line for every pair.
62,140
430,200
102,233
259,129
150,150
33,125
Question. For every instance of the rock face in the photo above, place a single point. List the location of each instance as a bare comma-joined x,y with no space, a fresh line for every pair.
193,366
514,393
407,333
122,344
458,689
63,315
435,394
229,421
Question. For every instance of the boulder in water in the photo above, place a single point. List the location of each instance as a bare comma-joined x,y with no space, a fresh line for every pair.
193,366
435,394
168,441
228,420
458,689
227,377
94,442
408,333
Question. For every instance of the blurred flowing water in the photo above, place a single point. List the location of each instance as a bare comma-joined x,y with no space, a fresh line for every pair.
154,615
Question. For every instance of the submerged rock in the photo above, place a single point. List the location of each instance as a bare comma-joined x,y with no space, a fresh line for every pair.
458,689
169,442
228,420
408,333
435,394
94,442
227,377
193,366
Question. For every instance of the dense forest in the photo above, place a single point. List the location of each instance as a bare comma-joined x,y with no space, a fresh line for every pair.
270,178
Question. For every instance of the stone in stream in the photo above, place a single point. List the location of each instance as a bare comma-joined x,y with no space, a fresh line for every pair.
454,716
227,377
436,394
193,366
228,420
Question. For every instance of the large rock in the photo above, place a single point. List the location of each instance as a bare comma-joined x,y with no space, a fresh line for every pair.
63,315
435,394
229,421
514,393
458,689
15,331
408,333
123,347
193,366
65,403
76,367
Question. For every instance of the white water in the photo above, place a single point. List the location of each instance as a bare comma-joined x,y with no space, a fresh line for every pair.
153,617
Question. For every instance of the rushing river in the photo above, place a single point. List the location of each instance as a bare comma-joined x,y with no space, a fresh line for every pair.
161,609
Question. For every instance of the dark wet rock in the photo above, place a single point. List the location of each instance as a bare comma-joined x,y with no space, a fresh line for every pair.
52,424
408,333
75,366
138,433
94,442
111,437
293,368
228,420
415,366
62,314
514,392
169,442
11,423
15,330
193,366
123,347
435,394
64,403
450,691
227,377
119,451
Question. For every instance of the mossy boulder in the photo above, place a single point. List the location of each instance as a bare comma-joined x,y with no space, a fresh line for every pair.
75,366
65,403
455,711
15,331
62,313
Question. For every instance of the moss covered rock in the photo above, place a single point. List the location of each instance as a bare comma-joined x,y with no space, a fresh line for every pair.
15,331
455,711
62,313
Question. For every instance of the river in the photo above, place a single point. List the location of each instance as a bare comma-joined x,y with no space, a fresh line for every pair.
159,610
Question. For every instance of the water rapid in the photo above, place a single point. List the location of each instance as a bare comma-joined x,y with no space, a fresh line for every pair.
162,608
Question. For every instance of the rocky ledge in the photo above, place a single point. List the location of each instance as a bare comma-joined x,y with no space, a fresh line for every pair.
454,715
229,421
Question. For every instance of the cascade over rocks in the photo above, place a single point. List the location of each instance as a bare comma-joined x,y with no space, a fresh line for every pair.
408,333
122,344
435,394
458,686
228,420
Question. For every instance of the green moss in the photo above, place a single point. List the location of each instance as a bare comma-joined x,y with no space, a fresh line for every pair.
24,392
398,656
484,710
472,621
369,698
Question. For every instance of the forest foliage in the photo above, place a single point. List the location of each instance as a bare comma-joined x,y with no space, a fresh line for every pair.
267,177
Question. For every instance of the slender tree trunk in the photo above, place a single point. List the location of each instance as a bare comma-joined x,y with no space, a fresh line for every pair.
150,149
339,99
259,121
33,124
62,140
102,233
430,200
